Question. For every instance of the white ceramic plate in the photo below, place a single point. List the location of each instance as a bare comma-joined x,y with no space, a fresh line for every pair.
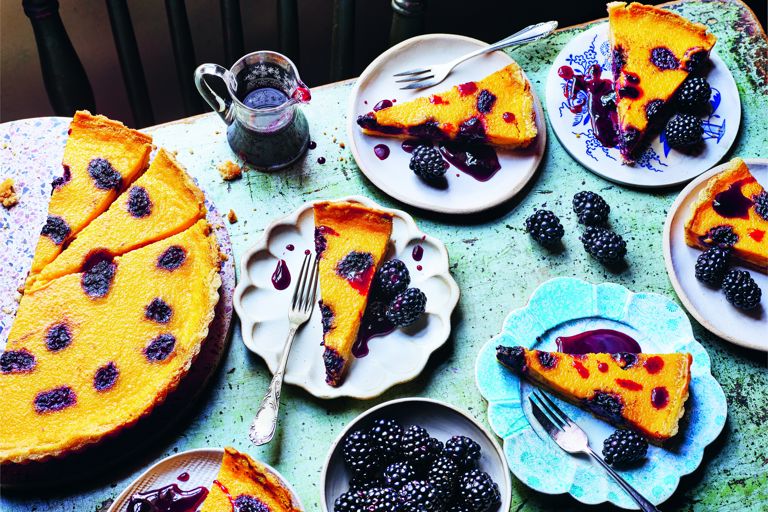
442,420
707,305
394,358
201,465
658,166
463,194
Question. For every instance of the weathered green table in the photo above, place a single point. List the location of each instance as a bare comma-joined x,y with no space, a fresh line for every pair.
496,266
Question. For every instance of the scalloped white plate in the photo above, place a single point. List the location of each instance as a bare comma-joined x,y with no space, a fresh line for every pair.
395,358
202,466
463,194
658,166
707,305
566,306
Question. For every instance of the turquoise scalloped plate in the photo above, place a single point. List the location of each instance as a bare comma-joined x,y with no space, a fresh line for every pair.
566,306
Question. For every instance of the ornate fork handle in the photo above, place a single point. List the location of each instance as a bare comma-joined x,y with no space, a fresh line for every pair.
265,423
645,505
526,35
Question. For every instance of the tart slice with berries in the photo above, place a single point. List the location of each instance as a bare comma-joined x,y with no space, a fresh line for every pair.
732,211
351,241
652,52
90,353
244,484
498,110
101,158
162,202
646,392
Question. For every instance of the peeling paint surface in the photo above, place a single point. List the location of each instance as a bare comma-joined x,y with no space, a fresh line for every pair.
496,266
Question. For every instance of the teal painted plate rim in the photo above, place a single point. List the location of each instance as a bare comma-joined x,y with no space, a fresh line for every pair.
564,306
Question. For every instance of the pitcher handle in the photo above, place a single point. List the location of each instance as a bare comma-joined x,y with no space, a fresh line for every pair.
222,106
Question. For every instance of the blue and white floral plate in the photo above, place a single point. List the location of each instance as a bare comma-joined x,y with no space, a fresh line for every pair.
659,165
566,306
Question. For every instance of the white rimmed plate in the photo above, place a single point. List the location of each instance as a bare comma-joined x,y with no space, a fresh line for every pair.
708,305
658,166
463,194
442,420
200,465
397,357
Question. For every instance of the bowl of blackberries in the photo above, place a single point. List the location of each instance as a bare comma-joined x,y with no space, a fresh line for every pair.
415,455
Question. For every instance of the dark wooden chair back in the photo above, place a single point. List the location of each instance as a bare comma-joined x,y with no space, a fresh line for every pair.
68,87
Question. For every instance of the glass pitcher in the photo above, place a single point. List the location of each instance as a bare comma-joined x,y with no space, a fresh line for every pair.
264,125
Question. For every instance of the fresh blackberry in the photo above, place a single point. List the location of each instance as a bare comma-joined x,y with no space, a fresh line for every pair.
420,496
458,507
382,499
722,236
544,227
364,482
693,96
398,474
761,204
478,491
427,162
463,450
392,278
683,131
418,448
741,290
406,307
443,474
385,434
360,454
591,208
350,501
624,447
603,244
711,265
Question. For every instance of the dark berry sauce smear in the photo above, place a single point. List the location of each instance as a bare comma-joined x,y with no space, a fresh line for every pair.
605,341
732,203
583,372
381,151
600,103
417,253
373,324
659,397
382,105
281,277
480,162
168,499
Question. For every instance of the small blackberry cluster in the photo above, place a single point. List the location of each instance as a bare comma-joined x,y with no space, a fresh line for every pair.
396,469
402,305
712,268
544,227
427,163
684,129
624,447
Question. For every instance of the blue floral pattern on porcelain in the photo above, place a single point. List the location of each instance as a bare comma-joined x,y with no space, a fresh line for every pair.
566,306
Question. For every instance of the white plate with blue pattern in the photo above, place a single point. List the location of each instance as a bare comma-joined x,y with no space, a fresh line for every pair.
658,165
566,306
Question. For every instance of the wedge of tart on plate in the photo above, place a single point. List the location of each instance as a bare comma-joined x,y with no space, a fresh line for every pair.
646,392
245,485
350,241
101,158
497,110
653,51
732,210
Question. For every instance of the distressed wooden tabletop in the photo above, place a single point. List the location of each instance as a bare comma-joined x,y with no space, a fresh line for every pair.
496,266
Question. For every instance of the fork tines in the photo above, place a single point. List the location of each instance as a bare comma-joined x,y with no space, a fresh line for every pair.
306,287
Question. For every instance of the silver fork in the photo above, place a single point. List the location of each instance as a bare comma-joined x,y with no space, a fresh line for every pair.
264,424
571,438
427,77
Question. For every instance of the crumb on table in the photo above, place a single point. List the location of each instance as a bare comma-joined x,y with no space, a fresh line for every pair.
229,170
8,196
231,216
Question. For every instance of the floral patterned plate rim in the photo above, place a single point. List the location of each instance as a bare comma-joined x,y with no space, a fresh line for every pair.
658,165
566,306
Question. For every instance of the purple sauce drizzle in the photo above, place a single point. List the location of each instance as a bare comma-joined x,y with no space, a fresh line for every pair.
312,144
382,105
480,162
417,253
659,397
381,151
731,203
184,477
371,326
605,341
290,247
168,499
602,113
281,277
